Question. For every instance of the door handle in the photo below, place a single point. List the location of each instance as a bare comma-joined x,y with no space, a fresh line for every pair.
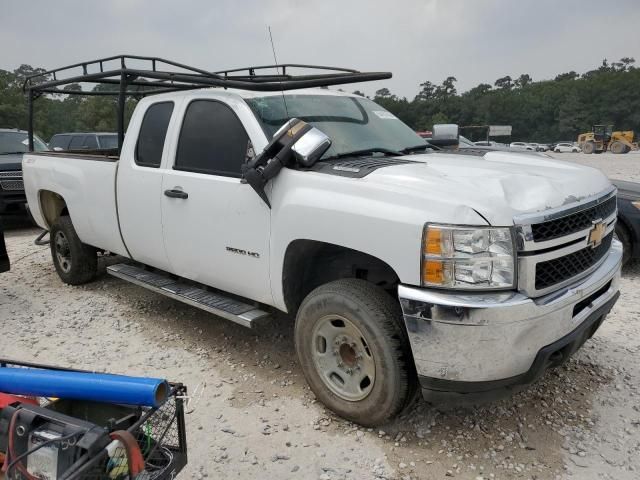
175,193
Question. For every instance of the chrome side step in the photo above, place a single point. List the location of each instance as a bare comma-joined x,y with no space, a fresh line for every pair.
225,307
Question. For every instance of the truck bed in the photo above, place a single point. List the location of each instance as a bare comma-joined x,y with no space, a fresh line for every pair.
87,182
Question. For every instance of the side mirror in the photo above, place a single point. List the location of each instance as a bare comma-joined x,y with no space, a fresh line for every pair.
445,135
310,147
289,144
57,149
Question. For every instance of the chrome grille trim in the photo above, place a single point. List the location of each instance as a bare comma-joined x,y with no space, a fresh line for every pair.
13,174
565,210
557,247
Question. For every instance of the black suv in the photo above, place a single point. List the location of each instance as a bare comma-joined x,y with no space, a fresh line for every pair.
13,143
84,141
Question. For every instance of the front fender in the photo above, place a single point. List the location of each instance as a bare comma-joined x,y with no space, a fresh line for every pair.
352,213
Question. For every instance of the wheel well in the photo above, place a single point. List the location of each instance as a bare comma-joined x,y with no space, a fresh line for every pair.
52,206
309,264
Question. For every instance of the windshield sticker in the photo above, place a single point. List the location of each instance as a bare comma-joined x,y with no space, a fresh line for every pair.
384,114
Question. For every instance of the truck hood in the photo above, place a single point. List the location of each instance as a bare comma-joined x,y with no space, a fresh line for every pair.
497,185
11,161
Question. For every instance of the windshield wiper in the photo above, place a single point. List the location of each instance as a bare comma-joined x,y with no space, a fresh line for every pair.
365,151
416,148
11,153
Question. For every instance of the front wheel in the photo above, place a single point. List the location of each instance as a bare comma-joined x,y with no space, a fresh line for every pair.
354,351
75,262
589,148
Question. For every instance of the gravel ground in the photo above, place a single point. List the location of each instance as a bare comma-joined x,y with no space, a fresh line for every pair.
252,415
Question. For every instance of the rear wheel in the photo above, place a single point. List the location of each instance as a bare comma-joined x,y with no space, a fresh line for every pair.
75,262
618,148
589,147
354,351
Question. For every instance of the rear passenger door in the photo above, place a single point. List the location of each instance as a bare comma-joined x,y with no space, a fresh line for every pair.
216,229
139,184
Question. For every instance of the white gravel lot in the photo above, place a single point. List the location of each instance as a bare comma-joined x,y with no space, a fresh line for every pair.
256,418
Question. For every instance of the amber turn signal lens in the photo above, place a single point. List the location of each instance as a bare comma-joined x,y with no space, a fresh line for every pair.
433,242
433,272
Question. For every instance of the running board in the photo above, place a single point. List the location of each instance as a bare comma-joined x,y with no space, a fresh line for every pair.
225,307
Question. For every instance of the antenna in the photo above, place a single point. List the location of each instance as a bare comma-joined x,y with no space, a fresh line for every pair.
275,59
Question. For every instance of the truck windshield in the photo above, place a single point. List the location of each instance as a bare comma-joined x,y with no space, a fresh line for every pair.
354,124
18,142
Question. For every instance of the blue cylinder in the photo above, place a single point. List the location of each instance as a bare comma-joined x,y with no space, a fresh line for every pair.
96,387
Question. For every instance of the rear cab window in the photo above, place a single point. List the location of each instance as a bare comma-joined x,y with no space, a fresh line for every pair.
153,132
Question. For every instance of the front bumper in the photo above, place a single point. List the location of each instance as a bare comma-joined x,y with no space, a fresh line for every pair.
477,345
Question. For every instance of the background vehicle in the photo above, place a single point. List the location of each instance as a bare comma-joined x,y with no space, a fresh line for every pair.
602,138
628,225
84,141
521,145
13,144
490,143
566,148
404,268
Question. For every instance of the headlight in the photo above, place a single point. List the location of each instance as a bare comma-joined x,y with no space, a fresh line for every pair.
468,257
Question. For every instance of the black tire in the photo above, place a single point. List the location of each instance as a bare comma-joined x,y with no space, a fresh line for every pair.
384,343
75,262
617,148
588,147
622,234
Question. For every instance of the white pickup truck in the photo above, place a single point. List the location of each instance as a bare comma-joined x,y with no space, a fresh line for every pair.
463,274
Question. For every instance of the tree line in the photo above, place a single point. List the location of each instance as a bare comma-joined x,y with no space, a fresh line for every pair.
57,113
542,111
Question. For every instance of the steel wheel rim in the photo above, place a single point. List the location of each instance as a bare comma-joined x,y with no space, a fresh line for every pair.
342,358
62,251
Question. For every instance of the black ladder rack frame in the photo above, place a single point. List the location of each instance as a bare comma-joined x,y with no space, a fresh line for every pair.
168,76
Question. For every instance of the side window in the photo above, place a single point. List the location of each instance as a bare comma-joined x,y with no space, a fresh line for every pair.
212,140
90,142
152,134
59,141
77,142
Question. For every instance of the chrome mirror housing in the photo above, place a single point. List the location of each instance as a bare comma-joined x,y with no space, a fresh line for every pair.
310,147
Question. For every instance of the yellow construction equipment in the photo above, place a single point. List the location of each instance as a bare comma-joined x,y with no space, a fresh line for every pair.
602,138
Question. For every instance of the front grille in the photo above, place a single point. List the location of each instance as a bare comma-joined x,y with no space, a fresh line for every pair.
558,270
11,185
11,181
574,222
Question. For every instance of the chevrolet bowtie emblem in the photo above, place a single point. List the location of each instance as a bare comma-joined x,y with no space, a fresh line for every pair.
596,234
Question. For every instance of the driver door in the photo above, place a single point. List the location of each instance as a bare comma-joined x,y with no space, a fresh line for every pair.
216,229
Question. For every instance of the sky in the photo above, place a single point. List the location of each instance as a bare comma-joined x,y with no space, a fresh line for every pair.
476,41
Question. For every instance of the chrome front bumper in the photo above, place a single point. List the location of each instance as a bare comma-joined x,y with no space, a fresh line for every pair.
485,340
